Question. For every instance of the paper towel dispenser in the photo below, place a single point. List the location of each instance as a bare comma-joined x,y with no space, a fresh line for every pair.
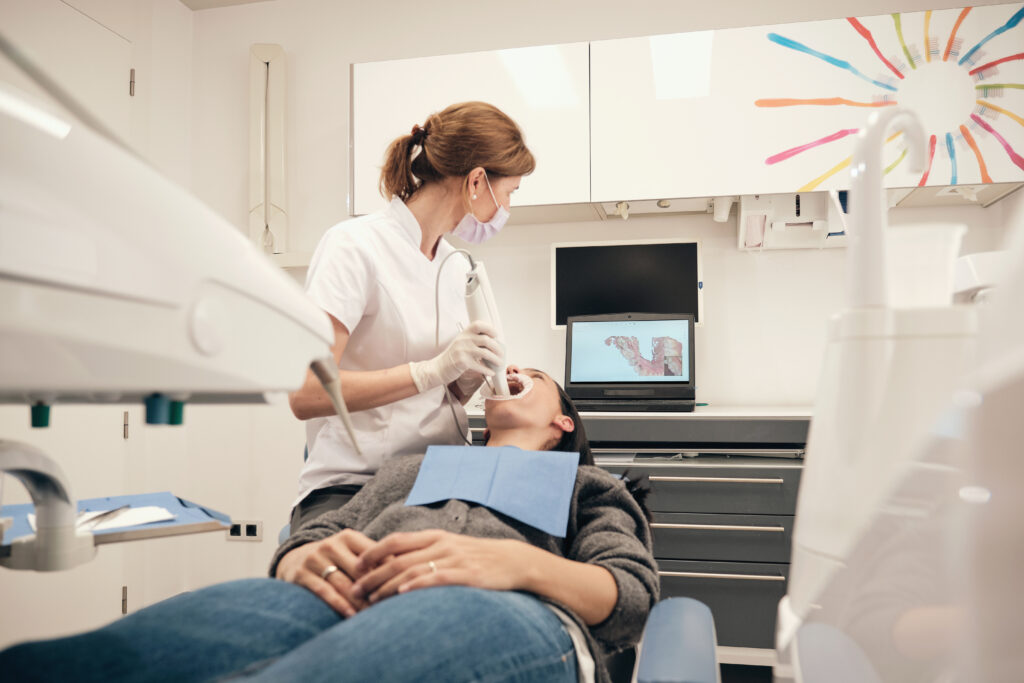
805,220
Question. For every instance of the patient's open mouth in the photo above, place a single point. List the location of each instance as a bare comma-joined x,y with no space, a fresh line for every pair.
518,386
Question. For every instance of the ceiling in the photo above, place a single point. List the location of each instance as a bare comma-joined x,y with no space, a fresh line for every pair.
210,4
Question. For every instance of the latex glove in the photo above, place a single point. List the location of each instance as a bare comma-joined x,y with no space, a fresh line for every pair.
304,566
467,384
474,349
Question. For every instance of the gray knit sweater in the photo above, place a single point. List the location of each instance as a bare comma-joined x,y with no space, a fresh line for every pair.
606,528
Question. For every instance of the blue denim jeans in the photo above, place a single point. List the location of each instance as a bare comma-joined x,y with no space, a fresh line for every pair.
268,630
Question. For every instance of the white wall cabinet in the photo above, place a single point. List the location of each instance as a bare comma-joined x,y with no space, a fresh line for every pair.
89,60
775,109
544,89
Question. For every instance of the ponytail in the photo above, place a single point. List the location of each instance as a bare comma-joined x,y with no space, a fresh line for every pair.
451,144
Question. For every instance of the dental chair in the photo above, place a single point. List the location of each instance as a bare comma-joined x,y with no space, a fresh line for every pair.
678,644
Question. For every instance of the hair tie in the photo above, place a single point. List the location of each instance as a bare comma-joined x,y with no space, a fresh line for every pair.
419,134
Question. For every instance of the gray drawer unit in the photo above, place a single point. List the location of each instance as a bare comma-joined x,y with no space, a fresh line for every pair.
724,538
700,427
743,596
729,485
722,527
723,498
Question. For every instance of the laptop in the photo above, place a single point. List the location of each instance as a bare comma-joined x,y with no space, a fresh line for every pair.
630,362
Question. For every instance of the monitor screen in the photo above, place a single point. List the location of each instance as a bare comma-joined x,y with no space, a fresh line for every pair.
633,351
657,277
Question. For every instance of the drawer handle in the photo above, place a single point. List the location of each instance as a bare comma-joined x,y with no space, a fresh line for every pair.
717,527
723,480
739,577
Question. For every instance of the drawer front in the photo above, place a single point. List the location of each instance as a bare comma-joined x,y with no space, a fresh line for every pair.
743,597
723,538
730,490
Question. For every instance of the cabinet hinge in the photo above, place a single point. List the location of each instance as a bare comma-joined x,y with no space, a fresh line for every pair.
131,83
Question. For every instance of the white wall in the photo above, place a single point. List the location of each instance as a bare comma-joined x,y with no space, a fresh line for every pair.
765,312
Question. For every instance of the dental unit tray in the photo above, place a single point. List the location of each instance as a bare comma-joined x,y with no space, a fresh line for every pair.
189,518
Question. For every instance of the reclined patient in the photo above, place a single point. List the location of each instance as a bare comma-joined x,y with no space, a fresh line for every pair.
380,590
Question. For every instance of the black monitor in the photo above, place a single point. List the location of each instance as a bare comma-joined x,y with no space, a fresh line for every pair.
630,356
648,277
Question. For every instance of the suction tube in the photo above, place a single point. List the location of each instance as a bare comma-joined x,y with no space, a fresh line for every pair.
327,372
868,212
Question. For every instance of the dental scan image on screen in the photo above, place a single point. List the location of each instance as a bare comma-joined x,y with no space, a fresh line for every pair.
630,351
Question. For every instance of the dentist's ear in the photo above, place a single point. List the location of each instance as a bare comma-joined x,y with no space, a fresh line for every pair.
565,423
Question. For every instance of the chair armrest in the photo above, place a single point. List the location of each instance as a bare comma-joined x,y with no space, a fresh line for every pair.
678,644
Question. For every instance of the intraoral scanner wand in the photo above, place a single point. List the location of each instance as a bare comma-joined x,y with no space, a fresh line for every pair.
327,372
480,306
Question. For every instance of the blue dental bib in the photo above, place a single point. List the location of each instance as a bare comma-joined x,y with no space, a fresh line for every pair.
533,487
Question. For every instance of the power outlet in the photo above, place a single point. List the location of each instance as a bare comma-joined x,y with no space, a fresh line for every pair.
245,530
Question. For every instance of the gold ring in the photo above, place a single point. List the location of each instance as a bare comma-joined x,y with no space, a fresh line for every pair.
433,567
328,570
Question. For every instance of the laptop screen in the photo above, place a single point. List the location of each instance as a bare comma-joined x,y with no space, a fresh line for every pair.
630,350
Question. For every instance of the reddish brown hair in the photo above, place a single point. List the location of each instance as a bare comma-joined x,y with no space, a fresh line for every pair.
451,144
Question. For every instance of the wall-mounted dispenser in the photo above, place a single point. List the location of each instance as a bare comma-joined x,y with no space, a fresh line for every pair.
807,220
268,216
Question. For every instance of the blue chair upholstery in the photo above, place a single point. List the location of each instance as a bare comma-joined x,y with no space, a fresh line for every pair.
678,645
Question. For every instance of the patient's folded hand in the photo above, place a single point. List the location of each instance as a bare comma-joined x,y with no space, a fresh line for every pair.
406,561
328,569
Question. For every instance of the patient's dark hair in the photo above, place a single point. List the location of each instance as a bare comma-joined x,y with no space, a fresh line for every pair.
576,440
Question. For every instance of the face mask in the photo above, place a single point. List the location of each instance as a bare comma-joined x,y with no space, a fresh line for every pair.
475,231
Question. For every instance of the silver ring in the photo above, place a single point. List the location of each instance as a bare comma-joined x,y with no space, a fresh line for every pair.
328,570
433,567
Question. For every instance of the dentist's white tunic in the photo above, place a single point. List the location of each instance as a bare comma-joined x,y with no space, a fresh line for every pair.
369,273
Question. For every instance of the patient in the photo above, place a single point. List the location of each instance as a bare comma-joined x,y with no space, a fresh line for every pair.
381,591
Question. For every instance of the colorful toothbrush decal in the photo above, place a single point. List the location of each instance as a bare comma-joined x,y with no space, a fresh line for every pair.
943,75
1012,23
985,177
874,46
931,156
953,45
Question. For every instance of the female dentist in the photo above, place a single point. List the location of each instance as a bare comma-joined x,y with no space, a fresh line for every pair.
376,277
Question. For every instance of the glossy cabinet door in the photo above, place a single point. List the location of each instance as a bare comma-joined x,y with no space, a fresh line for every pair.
544,89
777,109
87,59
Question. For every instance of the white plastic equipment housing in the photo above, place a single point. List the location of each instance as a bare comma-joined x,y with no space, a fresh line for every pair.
868,210
123,284
56,544
480,306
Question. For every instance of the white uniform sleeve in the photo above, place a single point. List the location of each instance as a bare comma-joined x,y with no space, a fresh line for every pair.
340,280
